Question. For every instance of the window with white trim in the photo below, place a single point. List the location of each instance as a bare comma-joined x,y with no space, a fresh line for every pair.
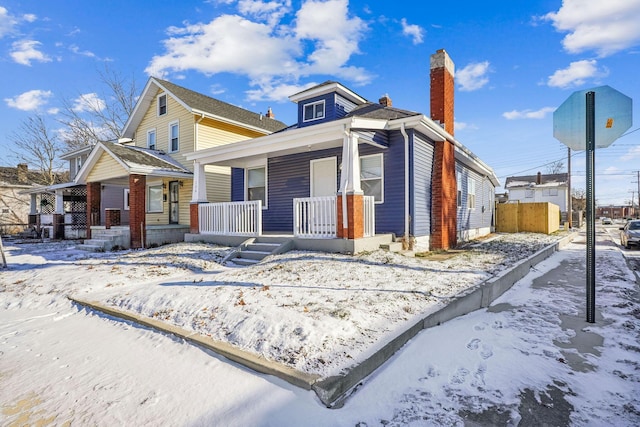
126,199
151,139
529,193
314,111
372,176
256,184
154,198
78,165
174,134
471,193
162,104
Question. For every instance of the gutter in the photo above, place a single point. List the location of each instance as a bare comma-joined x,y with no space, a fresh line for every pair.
406,183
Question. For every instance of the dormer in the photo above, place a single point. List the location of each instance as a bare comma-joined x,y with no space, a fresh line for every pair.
324,103
76,159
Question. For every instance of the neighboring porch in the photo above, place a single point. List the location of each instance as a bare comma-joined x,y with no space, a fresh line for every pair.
317,224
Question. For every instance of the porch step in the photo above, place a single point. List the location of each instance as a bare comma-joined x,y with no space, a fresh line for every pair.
90,248
254,250
392,246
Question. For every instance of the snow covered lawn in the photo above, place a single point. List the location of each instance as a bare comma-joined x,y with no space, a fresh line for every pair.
316,312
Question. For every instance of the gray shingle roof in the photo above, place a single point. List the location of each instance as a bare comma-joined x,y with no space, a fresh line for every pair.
377,111
525,180
10,176
198,101
133,156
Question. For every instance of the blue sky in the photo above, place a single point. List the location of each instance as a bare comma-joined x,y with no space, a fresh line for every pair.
516,62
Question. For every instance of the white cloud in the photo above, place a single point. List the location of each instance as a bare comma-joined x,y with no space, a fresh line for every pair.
25,51
606,27
29,17
473,76
319,39
576,74
75,49
88,102
7,22
29,101
413,31
464,126
528,114
632,154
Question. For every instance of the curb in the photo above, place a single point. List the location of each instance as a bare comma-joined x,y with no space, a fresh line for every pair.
249,360
334,391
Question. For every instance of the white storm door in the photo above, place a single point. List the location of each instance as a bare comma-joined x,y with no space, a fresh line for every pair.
324,177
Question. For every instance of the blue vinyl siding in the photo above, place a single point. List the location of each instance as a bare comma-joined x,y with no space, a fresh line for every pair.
329,112
469,219
390,214
422,172
237,184
289,177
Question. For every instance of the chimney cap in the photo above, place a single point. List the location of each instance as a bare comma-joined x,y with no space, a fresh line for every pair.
385,100
441,59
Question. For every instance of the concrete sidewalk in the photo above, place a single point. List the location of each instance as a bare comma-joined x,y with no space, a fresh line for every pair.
585,346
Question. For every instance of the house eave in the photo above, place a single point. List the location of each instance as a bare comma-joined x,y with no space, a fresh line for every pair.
229,121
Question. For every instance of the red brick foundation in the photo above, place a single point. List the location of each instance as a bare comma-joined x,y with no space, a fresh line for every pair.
93,205
194,227
355,217
137,210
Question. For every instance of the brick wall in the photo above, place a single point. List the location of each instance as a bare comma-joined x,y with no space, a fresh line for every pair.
137,209
444,204
93,205
355,217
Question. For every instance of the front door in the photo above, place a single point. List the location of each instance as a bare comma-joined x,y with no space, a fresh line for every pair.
324,177
324,182
174,208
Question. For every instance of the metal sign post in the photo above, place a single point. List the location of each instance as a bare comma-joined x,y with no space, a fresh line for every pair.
580,124
591,221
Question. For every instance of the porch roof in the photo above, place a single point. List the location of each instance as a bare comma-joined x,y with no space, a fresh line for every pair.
133,160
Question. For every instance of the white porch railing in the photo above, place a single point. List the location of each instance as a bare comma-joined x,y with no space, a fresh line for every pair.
316,217
231,218
369,216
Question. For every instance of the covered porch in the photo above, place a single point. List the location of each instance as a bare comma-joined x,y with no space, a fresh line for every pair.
263,205
136,198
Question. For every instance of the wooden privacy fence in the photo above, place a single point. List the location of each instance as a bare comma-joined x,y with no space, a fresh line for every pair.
536,217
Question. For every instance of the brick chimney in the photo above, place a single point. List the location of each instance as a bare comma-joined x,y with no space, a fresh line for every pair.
539,178
22,170
385,101
444,208
442,88
270,114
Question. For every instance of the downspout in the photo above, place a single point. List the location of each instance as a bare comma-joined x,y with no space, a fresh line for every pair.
195,132
346,162
406,184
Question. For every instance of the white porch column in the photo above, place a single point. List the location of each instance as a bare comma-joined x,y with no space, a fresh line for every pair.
199,193
350,174
59,202
34,204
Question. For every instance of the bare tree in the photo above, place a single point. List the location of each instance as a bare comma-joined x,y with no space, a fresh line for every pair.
579,199
555,167
38,147
99,116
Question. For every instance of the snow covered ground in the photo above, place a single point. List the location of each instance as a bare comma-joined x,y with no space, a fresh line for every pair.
319,313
